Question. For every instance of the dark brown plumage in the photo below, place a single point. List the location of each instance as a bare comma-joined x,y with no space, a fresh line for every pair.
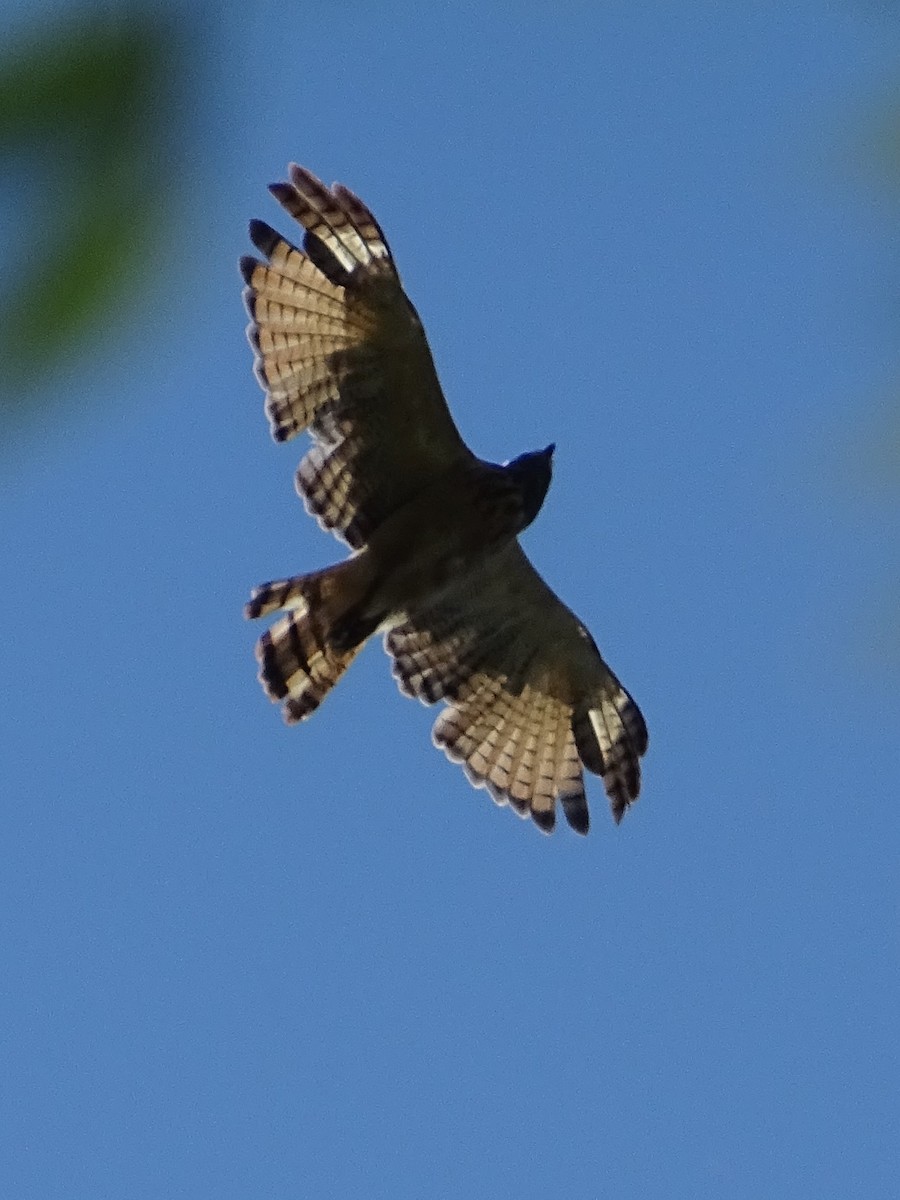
436,564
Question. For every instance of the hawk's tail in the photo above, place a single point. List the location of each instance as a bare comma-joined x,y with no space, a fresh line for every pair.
307,650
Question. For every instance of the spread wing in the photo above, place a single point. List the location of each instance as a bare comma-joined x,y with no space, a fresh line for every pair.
530,698
341,352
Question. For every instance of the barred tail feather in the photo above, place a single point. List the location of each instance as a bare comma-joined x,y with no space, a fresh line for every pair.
307,650
274,596
298,667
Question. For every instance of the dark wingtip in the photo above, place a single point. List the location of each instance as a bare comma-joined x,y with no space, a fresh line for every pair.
640,734
586,741
298,708
263,236
285,194
545,820
576,811
304,180
247,264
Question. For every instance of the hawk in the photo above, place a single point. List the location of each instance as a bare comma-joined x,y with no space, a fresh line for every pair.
436,564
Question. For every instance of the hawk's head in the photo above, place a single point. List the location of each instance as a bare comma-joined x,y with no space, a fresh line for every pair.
531,474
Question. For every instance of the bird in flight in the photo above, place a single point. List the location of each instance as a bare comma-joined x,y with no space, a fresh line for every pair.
435,561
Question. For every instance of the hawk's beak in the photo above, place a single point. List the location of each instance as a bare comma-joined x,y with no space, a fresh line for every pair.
549,451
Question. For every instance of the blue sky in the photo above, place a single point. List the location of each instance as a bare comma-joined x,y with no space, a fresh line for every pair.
244,961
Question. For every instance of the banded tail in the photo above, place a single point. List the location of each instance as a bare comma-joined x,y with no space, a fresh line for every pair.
307,650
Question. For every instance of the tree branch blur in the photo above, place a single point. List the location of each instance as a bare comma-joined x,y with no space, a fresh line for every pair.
85,113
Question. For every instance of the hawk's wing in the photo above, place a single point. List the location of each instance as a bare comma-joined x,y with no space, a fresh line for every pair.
531,700
341,352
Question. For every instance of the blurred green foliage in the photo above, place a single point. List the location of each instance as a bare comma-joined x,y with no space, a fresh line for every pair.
85,116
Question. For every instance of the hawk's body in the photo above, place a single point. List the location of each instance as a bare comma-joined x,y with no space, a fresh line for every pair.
436,563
